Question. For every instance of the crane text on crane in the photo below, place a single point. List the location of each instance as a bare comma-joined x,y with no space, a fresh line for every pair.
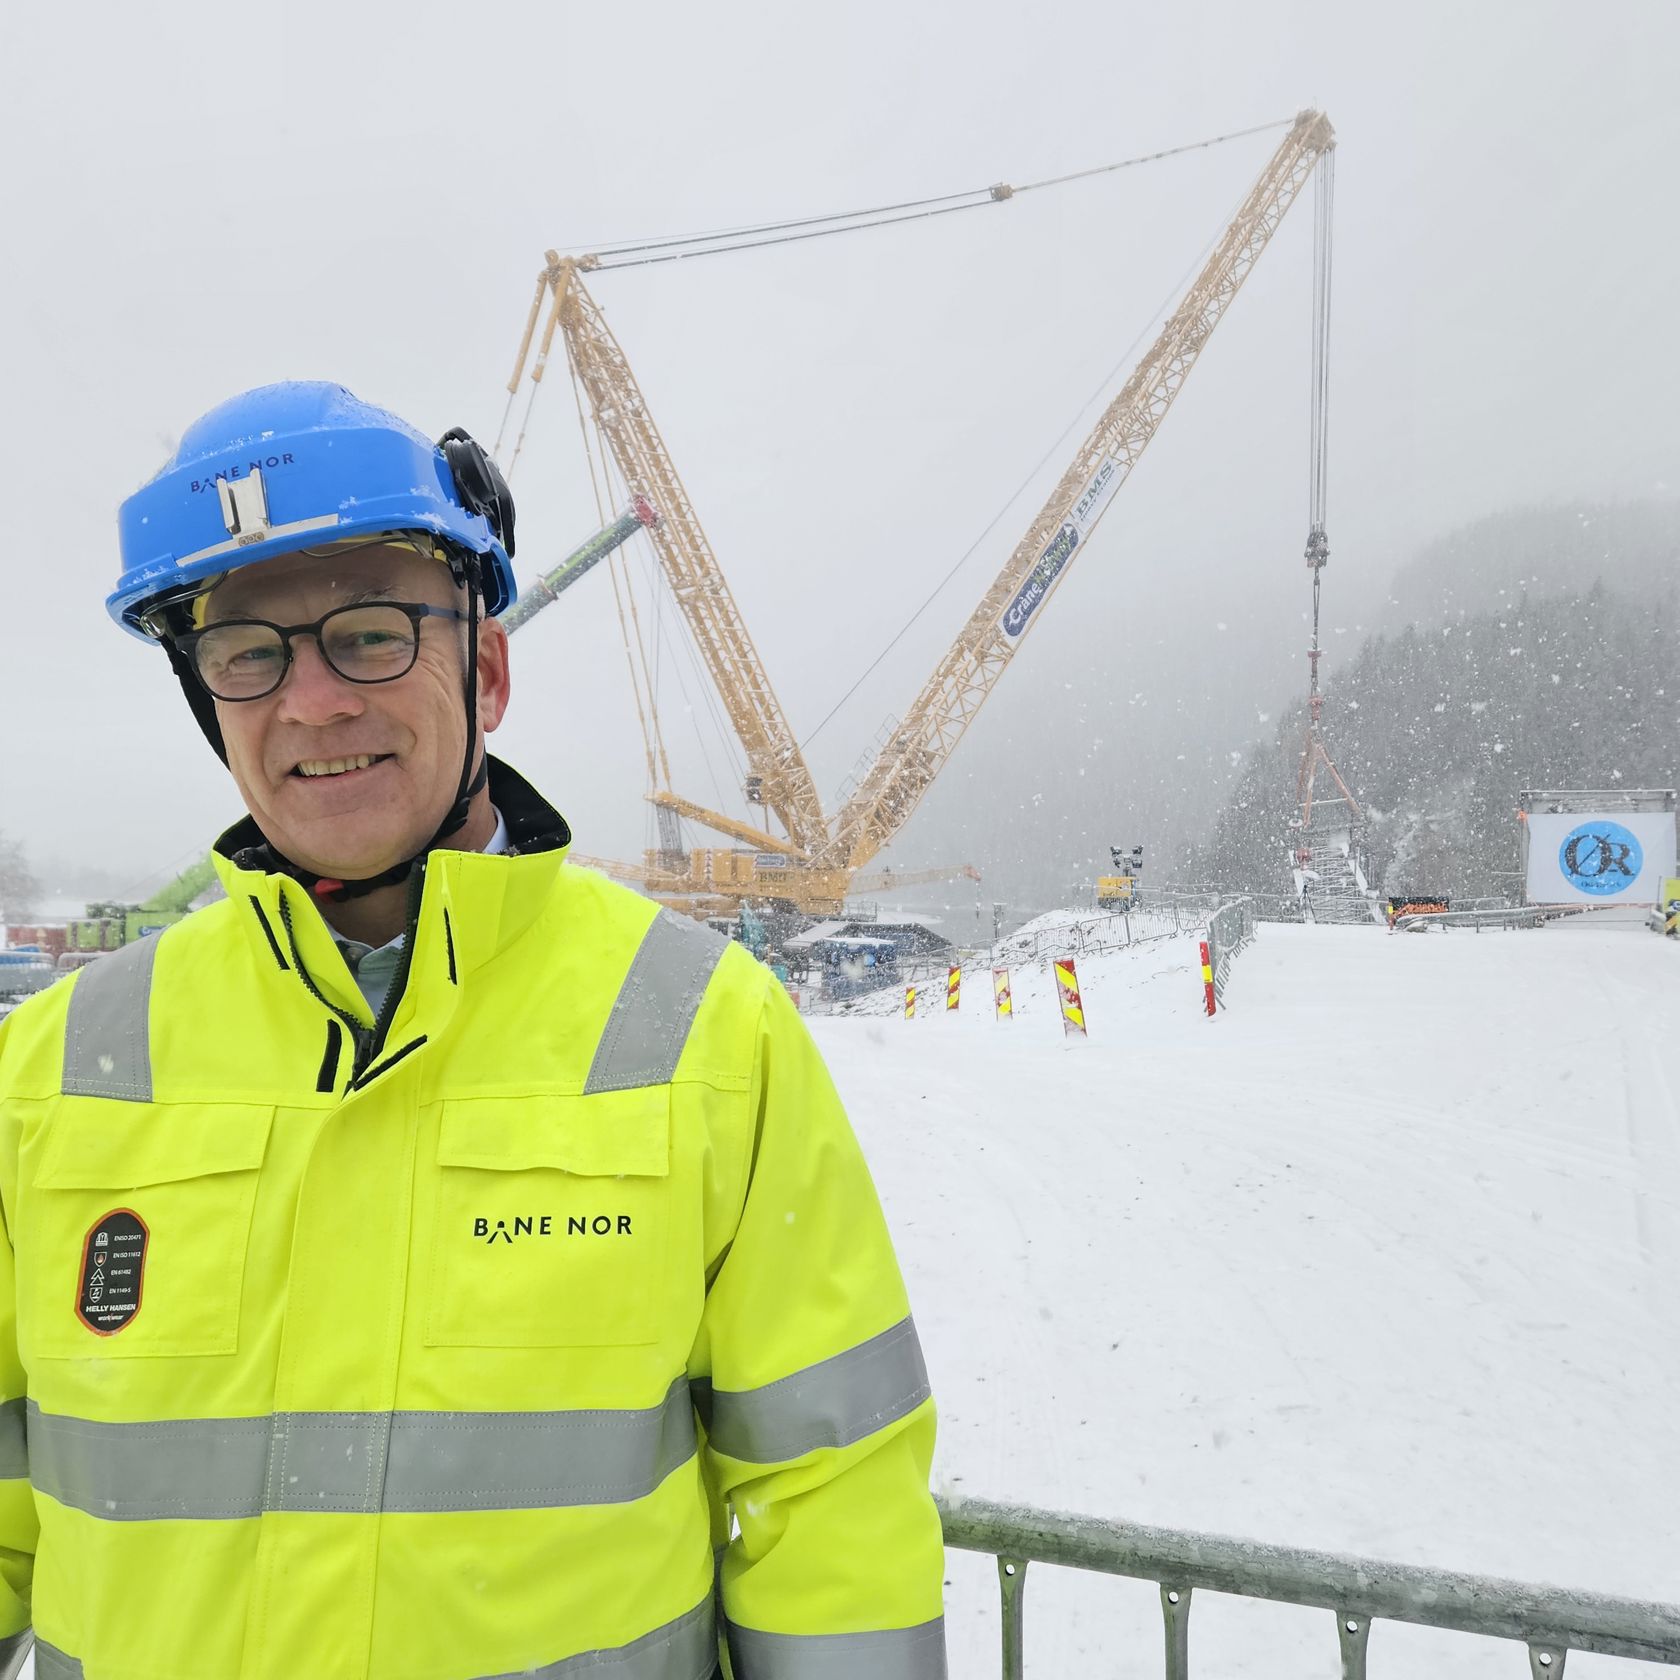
1092,500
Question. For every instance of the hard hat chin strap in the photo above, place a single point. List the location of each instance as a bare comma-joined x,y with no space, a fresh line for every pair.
471,782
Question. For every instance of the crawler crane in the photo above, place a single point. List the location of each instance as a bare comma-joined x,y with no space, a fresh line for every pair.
815,862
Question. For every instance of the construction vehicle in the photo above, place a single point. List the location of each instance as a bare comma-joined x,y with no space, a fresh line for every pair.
107,926
814,863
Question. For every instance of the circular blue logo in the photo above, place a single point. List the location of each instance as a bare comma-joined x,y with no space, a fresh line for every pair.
1601,858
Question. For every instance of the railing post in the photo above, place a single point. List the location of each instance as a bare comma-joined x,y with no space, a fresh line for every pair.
1545,1662
1012,1580
1175,1607
1353,1630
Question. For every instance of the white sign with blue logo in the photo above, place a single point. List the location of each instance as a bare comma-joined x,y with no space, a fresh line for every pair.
1059,550
1579,857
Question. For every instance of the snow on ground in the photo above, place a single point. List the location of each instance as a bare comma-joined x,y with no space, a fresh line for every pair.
1385,1259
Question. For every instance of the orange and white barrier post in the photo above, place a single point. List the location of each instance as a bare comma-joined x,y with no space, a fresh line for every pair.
953,987
909,1003
1067,992
1207,979
1001,1000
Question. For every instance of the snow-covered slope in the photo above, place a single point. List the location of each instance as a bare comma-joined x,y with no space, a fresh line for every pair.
1385,1259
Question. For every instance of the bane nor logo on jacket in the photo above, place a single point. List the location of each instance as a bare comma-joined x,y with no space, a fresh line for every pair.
542,1225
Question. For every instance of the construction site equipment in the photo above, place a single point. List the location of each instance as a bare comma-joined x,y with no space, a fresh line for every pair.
107,926
1119,890
548,588
1329,872
813,868
1550,1621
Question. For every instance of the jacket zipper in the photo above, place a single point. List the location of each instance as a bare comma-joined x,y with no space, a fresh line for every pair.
358,1033
399,980
367,1041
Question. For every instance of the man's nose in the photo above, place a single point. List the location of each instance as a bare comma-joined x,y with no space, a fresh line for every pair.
312,691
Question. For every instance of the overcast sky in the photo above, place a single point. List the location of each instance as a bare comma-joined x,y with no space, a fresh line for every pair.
364,193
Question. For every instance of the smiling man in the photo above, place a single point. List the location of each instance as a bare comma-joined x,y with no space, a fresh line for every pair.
431,1262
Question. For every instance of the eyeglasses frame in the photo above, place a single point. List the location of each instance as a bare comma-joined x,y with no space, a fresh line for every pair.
414,611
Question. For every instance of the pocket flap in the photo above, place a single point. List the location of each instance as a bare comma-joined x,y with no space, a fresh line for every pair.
100,1145
618,1134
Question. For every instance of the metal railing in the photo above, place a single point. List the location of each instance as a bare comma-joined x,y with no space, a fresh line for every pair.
1230,928
1157,916
1550,1621
1514,916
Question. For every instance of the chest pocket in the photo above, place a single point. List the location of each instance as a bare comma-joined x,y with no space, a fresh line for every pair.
186,1174
552,1221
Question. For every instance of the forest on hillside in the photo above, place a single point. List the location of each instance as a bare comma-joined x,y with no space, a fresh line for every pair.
1438,728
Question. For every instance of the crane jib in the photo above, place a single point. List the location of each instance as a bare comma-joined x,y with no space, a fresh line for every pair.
1108,477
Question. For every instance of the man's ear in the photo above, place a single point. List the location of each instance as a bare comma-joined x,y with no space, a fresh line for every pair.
494,679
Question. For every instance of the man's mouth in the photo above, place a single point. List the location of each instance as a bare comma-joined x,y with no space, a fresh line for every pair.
315,767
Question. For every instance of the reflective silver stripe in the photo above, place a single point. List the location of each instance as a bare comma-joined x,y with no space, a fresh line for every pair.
54,1664
14,1443
201,1467
685,1649
830,1404
359,1461
107,1030
13,1650
320,522
916,1653
656,1005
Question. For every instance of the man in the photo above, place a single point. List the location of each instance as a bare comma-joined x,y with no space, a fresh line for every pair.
425,1257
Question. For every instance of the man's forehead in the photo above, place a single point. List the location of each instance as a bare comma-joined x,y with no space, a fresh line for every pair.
364,571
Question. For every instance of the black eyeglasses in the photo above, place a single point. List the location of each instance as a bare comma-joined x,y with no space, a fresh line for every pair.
247,658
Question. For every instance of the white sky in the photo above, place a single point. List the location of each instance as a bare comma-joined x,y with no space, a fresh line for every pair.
202,198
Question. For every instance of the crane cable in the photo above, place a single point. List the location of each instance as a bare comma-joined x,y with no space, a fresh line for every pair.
750,236
657,664
744,237
637,679
1318,541
1020,489
1324,192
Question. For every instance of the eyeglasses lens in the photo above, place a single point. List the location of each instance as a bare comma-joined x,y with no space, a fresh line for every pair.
243,661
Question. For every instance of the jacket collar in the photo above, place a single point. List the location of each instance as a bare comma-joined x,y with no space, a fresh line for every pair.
472,906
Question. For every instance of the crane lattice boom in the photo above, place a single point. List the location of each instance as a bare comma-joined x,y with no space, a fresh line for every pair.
984,647
781,779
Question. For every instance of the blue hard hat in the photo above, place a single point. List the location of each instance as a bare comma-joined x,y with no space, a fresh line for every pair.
300,465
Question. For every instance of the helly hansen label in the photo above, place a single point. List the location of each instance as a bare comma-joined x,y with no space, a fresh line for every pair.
113,1270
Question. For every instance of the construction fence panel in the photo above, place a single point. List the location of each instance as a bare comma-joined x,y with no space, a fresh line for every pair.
1158,917
1550,1621
1229,929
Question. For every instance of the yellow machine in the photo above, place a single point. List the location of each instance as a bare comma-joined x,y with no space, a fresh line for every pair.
814,862
1114,892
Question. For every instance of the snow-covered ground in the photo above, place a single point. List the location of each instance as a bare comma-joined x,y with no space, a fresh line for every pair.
1385,1259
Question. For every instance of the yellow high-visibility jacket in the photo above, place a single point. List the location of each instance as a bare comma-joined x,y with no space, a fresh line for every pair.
442,1347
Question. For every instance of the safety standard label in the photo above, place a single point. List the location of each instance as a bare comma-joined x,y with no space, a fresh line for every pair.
113,1269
